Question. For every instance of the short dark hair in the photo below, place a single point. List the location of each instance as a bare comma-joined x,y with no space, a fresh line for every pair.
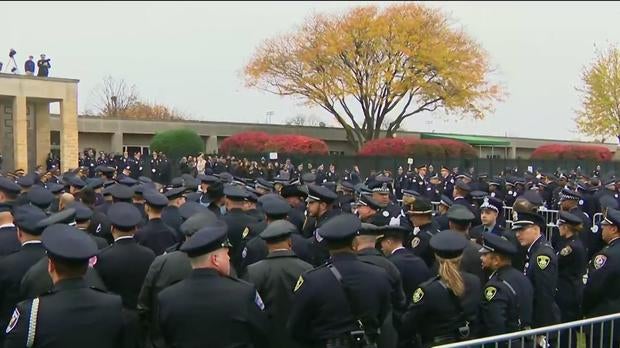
69,269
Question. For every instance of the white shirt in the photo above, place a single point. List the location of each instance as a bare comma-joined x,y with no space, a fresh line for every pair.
7,225
400,247
32,242
123,237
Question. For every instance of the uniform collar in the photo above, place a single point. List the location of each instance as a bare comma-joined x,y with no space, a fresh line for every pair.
123,238
343,256
537,241
204,272
613,241
32,242
7,225
397,249
69,284
369,251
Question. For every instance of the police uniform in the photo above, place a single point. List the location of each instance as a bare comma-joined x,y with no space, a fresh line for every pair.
167,269
274,278
382,185
601,295
498,229
420,184
471,257
506,304
541,268
313,225
442,220
345,287
170,215
448,183
380,217
8,235
238,222
297,215
14,266
83,214
123,265
40,197
156,235
436,314
72,314
421,236
208,299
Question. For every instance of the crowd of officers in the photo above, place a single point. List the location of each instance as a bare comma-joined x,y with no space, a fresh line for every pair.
223,261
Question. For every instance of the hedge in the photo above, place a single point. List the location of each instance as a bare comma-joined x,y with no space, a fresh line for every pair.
426,148
571,152
260,142
176,143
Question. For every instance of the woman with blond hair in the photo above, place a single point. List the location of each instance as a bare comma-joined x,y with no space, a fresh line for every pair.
444,309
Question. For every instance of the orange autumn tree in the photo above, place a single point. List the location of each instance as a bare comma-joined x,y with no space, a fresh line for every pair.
372,68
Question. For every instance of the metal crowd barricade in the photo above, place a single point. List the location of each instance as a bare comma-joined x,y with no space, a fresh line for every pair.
590,333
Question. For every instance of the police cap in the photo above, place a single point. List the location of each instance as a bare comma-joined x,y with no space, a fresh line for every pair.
340,228
276,207
198,221
121,192
261,183
82,212
55,188
27,217
105,169
65,216
236,193
366,200
155,199
207,179
612,217
369,230
75,181
448,244
128,181
569,195
206,240
124,216
68,243
393,231
25,181
318,193
492,203
145,179
308,178
462,185
9,186
458,212
446,201
569,219
94,183
526,219
347,186
420,206
189,209
496,244
278,230
175,193
40,197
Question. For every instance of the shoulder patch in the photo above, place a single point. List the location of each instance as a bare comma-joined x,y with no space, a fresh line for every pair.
489,292
415,242
543,261
566,250
259,301
599,261
418,294
13,321
245,233
300,281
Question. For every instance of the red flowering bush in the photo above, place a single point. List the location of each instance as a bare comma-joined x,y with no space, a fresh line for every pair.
562,151
258,142
426,148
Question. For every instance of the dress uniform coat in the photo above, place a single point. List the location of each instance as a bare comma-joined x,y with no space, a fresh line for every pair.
12,269
171,216
274,279
101,242
442,222
318,249
506,304
476,232
207,300
436,313
37,281
71,315
157,236
541,268
419,243
123,267
256,249
413,270
296,216
321,310
166,270
237,221
572,266
8,240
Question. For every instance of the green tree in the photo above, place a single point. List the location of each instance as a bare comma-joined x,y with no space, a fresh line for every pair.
372,68
599,115
176,143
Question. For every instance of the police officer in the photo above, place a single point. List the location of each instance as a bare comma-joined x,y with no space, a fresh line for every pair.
601,295
72,314
156,235
275,277
167,269
569,202
319,210
490,211
371,211
448,181
170,215
507,297
460,220
441,217
419,182
8,233
541,267
444,309
238,222
349,290
40,197
295,197
83,214
381,189
210,298
420,213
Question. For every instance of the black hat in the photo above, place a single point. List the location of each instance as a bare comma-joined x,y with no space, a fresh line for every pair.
55,188
458,212
6,207
40,197
276,207
145,180
329,185
175,193
411,193
292,191
105,169
420,206
369,229
448,244
65,216
381,184
120,192
277,230
493,204
193,196
533,197
462,185
94,183
215,191
208,179
320,193
25,181
225,177
124,215
308,178
7,185
494,243
445,200
608,202
569,219
189,209
496,181
340,227
367,200
68,243
420,166
76,182
264,184
395,231
155,199
526,219
198,221
236,193
612,217
106,184
569,195
128,181
478,195
27,217
206,240
82,212
177,182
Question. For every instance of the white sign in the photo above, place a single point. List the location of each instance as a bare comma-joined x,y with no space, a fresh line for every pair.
273,155
409,160
530,169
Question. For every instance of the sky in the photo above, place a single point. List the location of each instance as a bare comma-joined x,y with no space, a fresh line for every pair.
191,55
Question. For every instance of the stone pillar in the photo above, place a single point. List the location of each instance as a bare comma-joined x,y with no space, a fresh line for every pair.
69,146
20,133
513,152
42,131
116,142
211,146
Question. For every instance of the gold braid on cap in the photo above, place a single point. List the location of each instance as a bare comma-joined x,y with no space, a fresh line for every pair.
408,201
